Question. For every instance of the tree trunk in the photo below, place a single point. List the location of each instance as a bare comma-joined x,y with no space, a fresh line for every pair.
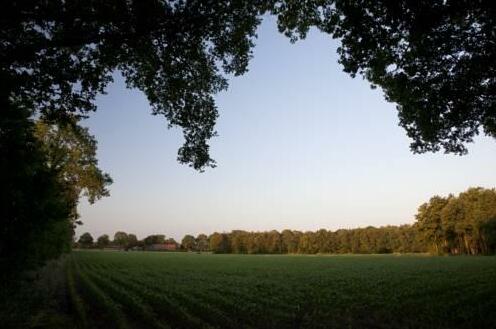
467,246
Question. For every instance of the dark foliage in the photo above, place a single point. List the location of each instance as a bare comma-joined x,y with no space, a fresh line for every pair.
61,55
86,240
103,241
435,59
33,205
154,239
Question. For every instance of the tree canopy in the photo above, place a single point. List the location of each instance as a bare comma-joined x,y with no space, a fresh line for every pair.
34,208
54,165
71,152
463,224
188,242
60,55
154,239
434,59
86,240
103,241
121,239
132,241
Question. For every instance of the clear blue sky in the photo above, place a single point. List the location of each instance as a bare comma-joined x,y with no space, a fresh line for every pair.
301,145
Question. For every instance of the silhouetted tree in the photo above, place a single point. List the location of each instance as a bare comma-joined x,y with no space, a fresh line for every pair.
56,56
154,239
435,59
61,55
86,240
132,241
103,241
33,205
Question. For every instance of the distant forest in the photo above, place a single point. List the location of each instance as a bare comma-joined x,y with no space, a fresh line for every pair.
457,225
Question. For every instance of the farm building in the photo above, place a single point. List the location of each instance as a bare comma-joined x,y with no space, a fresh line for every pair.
170,245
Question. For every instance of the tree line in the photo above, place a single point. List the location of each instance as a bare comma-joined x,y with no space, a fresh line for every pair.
456,225
434,59
121,240
386,239
362,240
463,224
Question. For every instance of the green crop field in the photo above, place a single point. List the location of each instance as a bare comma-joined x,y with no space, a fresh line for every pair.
188,290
